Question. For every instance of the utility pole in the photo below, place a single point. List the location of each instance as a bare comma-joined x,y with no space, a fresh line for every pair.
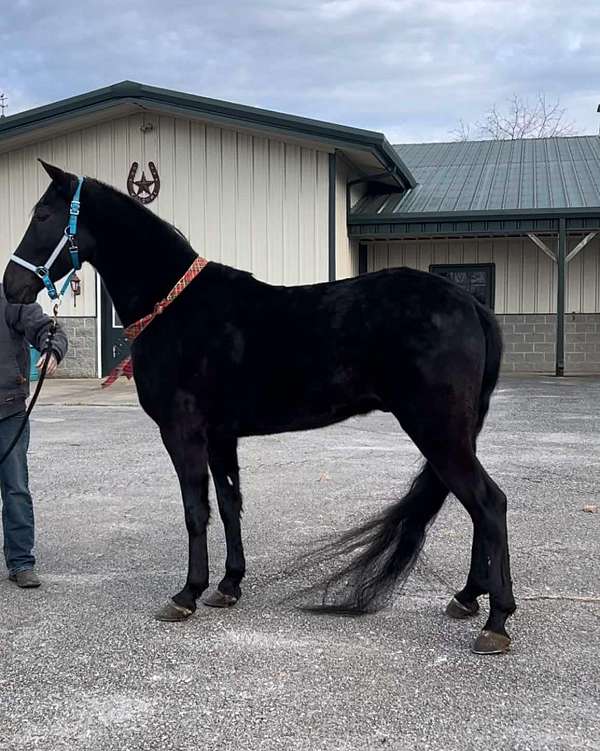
3,105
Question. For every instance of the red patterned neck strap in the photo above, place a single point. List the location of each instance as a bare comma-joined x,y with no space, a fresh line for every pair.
125,368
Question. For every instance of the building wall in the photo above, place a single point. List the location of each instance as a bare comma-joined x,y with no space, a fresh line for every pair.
525,295
530,343
81,358
583,279
525,276
582,343
346,250
257,203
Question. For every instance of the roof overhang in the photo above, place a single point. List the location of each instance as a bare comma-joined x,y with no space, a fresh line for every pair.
472,224
366,148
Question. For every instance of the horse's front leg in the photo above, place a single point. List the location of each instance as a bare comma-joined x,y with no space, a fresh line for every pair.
223,462
189,454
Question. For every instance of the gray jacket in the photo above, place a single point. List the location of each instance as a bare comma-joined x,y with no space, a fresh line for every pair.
20,324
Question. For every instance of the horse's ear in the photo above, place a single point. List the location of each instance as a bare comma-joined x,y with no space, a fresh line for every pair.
64,181
55,173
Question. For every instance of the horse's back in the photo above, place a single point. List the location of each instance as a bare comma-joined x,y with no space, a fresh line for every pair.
267,358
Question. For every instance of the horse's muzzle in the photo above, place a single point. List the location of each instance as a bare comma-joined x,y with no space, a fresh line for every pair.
19,286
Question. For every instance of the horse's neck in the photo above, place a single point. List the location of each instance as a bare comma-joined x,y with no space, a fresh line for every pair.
139,270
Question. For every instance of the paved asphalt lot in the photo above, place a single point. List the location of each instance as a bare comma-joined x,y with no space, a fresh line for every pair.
85,666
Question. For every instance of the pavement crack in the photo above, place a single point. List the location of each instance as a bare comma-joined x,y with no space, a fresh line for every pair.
567,598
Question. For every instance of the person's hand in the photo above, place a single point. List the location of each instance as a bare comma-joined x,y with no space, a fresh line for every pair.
52,364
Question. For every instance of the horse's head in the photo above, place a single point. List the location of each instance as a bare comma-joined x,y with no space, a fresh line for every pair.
45,230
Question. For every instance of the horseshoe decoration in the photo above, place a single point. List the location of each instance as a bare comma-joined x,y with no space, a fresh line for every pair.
143,189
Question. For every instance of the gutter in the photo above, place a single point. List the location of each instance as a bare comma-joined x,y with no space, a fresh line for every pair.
455,216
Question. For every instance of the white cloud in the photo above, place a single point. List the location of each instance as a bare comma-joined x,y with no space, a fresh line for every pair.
411,68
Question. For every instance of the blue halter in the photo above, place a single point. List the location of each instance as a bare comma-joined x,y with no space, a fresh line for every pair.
69,237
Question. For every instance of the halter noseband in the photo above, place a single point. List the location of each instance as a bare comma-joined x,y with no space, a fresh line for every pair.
43,272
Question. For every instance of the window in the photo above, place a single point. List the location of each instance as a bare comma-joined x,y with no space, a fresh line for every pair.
476,278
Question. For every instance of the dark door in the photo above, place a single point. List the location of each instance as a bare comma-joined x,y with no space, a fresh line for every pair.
114,344
476,278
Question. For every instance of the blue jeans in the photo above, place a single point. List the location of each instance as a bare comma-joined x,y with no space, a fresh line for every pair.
17,506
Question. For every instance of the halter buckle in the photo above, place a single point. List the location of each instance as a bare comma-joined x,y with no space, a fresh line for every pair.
42,272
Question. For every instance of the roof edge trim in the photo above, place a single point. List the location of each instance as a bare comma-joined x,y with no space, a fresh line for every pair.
342,135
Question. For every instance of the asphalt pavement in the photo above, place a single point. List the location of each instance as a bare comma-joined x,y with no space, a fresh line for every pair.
83,665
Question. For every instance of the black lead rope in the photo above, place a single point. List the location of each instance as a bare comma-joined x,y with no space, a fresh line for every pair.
48,352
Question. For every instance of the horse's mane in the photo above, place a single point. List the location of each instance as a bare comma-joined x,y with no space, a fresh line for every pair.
136,205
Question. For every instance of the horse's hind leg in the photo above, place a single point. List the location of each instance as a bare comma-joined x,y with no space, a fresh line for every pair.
490,566
447,443
464,603
224,467
490,570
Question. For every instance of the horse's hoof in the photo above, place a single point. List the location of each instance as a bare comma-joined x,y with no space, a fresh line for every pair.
457,610
491,643
219,600
173,612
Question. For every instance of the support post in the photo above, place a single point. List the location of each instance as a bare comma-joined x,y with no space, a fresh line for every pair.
560,299
332,213
362,258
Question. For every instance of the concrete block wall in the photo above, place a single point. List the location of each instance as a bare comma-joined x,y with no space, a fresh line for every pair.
81,359
530,342
582,343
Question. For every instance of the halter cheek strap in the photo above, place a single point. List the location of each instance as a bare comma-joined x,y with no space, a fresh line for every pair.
71,229
43,272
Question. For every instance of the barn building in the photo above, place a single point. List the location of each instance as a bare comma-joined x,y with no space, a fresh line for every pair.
299,201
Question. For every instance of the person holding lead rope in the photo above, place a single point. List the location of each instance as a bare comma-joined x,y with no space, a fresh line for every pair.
19,325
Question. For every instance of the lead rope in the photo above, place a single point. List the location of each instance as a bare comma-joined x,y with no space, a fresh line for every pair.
48,352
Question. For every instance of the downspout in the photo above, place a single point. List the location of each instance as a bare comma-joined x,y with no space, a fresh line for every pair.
332,212
363,258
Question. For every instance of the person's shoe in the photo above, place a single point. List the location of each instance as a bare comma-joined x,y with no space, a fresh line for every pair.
26,579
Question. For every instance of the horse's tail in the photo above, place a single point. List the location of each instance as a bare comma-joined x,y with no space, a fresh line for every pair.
390,543
493,359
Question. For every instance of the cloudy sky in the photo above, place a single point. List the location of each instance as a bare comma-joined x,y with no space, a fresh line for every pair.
410,68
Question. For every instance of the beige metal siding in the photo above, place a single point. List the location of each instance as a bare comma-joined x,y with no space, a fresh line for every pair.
525,277
22,182
346,251
583,279
256,203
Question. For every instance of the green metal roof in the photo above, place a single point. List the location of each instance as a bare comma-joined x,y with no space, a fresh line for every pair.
474,178
151,96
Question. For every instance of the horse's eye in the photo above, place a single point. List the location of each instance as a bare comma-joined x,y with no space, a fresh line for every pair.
42,213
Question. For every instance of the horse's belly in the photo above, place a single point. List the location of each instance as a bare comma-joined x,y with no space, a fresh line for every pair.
302,415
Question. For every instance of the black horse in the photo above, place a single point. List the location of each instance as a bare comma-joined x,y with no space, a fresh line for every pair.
235,357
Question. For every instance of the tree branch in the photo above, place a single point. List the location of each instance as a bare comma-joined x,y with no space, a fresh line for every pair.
519,119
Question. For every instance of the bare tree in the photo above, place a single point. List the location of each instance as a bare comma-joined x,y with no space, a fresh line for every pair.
519,119
462,132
